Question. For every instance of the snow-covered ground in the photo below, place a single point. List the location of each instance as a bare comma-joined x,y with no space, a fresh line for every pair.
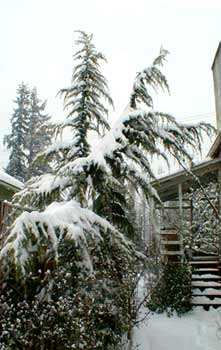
197,330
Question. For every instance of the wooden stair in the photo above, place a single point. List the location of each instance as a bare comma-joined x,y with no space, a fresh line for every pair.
170,245
206,281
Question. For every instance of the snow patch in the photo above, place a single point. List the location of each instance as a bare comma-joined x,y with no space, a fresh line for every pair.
197,330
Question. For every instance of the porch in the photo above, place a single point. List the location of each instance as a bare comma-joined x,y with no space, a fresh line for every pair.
185,232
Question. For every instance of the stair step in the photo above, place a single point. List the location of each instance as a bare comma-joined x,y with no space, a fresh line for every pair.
207,290
210,302
205,258
171,252
206,277
209,294
207,270
170,242
204,284
171,237
204,263
205,300
168,232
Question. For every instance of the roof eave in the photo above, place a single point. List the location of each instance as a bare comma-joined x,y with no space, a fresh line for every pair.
167,186
214,148
216,55
181,173
10,186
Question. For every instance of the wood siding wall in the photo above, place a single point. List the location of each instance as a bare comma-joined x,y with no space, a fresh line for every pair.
4,211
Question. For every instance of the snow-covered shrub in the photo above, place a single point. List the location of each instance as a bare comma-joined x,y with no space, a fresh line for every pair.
173,290
76,321
77,298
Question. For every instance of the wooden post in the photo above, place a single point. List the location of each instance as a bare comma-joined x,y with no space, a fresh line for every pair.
190,249
1,216
191,215
180,192
219,205
154,218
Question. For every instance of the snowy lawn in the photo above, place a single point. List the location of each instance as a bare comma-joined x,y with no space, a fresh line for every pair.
198,329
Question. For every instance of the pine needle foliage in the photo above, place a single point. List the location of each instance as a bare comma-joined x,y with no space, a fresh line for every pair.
97,176
31,132
40,133
17,141
151,76
84,98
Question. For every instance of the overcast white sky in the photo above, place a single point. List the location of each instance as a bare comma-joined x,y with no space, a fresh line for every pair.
37,45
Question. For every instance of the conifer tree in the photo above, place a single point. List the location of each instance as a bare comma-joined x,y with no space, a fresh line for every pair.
39,134
31,133
83,99
17,140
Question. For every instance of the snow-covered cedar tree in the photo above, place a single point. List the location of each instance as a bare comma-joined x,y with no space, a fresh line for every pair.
31,133
68,255
72,246
16,142
84,98
123,155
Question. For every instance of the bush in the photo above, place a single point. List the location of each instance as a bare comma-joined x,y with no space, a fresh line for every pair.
66,307
173,291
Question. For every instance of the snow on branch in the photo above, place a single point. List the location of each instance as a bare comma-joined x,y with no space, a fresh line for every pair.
151,76
83,169
135,137
42,232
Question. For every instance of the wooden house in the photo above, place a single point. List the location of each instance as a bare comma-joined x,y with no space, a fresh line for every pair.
173,190
8,187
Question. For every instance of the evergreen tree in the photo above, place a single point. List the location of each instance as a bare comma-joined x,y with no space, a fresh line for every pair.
100,180
17,140
84,97
31,133
39,133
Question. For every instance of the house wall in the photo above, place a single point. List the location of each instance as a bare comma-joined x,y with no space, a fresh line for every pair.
6,193
217,85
